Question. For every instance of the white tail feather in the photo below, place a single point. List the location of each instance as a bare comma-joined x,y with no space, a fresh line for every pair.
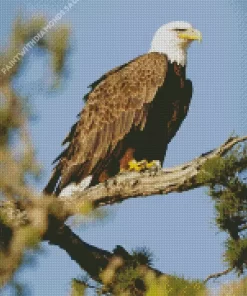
73,188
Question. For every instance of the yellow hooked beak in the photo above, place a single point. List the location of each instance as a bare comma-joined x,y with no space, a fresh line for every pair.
191,34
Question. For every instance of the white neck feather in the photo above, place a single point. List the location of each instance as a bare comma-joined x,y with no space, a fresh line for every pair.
174,52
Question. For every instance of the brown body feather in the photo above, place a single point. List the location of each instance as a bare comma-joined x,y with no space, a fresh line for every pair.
133,111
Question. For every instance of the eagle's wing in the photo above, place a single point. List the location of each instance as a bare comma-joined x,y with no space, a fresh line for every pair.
115,105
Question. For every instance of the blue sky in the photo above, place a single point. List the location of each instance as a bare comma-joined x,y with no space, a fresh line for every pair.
178,228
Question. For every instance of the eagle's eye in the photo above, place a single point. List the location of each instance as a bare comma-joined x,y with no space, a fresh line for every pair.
180,30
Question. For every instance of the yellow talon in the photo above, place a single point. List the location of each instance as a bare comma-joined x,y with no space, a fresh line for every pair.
142,165
134,165
150,164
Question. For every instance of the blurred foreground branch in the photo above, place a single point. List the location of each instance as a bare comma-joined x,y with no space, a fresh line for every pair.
100,264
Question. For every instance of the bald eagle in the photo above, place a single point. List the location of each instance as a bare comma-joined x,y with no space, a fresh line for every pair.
130,115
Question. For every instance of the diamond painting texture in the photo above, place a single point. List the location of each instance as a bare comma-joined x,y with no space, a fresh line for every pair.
177,228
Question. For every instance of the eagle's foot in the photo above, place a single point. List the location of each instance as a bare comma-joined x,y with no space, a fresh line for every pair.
143,165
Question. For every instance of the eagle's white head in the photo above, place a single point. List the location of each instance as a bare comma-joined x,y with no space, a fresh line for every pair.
173,39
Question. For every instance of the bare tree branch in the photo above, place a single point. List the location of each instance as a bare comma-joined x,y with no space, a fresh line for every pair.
124,186
218,274
134,184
